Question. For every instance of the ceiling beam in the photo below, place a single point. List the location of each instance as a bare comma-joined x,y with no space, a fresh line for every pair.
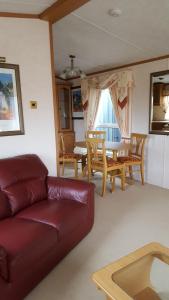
18,15
60,9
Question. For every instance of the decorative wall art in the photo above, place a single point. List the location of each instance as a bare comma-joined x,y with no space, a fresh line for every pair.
77,106
11,115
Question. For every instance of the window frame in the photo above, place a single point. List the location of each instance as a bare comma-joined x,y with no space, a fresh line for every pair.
108,125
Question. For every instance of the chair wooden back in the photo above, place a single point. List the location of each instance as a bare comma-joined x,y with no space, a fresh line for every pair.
96,152
137,144
98,134
126,140
62,144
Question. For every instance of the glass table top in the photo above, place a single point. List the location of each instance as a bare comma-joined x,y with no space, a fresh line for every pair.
140,275
160,278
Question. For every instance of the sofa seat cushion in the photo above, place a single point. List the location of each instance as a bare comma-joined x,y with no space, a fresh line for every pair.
64,215
26,242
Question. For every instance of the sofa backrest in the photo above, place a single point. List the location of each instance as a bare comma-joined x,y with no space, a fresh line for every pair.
23,180
5,209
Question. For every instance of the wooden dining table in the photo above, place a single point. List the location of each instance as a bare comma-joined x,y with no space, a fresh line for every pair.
111,147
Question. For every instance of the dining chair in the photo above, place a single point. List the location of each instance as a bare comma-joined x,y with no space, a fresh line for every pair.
126,141
135,156
67,158
98,161
95,134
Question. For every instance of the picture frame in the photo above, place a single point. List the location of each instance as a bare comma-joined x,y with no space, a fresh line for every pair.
77,106
11,113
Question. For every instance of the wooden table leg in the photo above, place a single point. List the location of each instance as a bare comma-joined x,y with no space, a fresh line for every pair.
115,154
83,161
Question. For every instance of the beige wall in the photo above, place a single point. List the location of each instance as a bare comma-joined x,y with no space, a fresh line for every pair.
26,43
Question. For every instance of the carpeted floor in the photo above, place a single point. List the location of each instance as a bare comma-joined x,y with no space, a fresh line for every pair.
124,221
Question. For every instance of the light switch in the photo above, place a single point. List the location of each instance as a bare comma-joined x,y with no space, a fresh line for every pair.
33,104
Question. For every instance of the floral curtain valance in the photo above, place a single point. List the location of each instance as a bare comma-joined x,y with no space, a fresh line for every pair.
120,85
122,80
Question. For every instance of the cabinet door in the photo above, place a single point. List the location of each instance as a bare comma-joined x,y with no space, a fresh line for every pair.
65,116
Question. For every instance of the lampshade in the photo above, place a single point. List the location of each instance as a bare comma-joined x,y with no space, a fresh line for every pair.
72,71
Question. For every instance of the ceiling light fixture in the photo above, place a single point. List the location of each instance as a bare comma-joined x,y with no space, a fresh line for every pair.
72,71
115,12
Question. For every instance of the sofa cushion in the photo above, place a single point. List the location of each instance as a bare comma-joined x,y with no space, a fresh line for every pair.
26,242
25,193
5,210
65,215
23,180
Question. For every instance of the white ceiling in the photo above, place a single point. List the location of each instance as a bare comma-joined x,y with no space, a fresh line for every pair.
100,41
25,6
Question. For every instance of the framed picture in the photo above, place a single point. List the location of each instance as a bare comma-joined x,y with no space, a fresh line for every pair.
11,115
77,107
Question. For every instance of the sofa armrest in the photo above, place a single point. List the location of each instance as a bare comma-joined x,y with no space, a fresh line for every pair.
3,264
64,188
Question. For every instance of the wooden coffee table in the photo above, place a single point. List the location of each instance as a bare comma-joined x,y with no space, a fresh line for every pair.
129,277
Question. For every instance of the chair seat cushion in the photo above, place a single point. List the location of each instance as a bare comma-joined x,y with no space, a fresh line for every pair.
128,159
26,242
64,215
71,156
110,162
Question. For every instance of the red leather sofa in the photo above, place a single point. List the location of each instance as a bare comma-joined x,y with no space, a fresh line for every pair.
41,219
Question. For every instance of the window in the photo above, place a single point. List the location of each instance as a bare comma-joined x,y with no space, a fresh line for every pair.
105,119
